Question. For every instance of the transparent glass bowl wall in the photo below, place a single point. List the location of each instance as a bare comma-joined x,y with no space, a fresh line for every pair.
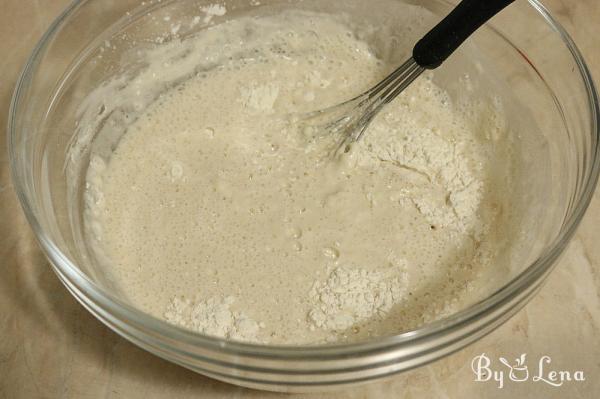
529,52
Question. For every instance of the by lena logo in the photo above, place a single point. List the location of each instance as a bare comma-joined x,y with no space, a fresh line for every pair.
518,371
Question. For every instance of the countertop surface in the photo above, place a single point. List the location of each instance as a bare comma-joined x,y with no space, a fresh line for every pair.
51,347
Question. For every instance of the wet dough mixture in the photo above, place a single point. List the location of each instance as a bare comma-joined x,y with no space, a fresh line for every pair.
217,212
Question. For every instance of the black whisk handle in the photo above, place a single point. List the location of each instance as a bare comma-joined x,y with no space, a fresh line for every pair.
440,42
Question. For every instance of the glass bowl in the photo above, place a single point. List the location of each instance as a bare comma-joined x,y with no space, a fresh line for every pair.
525,49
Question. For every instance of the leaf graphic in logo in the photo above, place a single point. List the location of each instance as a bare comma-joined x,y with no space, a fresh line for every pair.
521,360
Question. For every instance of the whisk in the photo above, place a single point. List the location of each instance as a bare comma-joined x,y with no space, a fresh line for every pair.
352,118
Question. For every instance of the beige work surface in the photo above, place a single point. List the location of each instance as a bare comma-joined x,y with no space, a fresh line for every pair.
51,347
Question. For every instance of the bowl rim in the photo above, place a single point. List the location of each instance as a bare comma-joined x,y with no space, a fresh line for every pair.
531,275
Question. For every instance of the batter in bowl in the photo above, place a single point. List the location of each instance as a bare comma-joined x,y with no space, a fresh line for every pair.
216,212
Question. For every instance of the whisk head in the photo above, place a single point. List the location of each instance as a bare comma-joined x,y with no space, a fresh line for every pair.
349,120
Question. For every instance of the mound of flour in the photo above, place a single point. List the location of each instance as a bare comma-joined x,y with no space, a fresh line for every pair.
213,317
352,296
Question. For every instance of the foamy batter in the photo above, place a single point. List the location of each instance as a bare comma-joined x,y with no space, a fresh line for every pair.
217,213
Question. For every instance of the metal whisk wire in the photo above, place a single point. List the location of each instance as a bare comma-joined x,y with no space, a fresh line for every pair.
352,117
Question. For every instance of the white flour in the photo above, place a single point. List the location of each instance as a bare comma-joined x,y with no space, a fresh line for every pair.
213,10
352,296
440,160
212,317
212,194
